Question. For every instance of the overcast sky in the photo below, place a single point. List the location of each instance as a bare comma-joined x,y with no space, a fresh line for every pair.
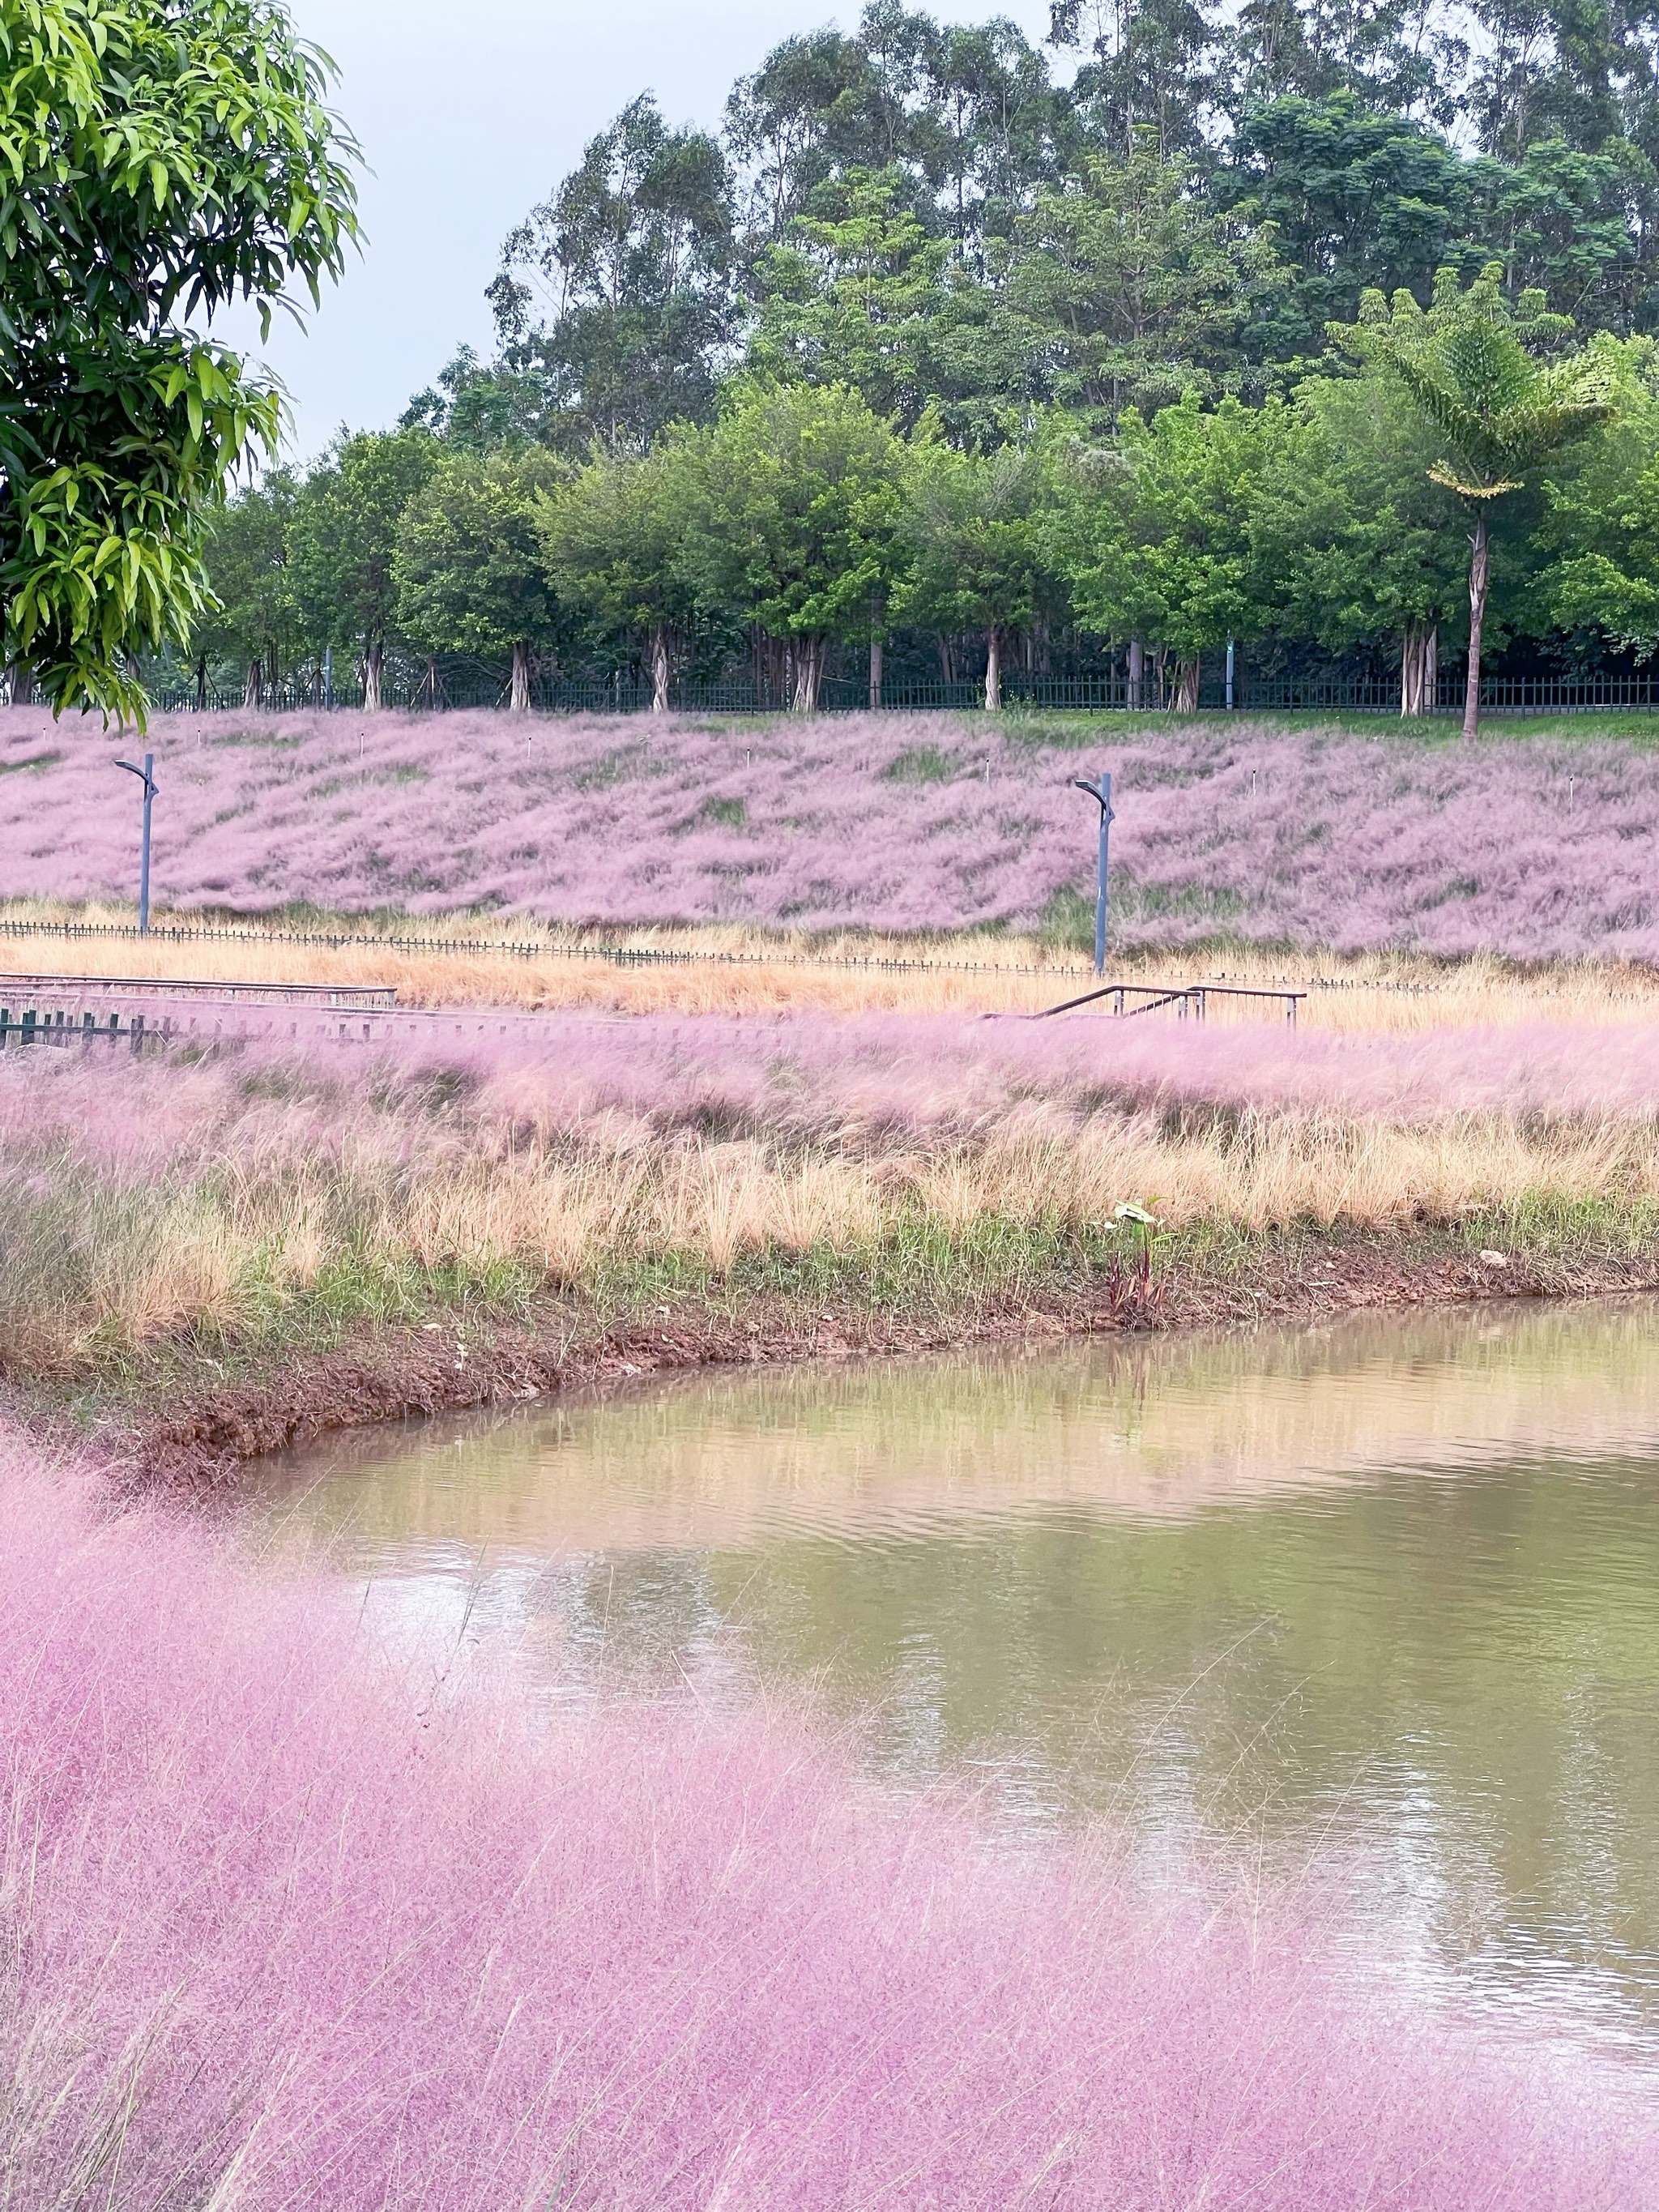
468,117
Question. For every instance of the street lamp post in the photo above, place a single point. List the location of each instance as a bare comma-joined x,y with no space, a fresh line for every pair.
148,781
1101,792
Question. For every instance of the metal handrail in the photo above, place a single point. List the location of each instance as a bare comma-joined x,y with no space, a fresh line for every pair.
171,987
1166,995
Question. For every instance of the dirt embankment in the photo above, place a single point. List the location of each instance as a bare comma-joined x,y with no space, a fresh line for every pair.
197,1444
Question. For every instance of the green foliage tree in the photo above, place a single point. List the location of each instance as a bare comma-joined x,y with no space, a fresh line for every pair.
467,565
798,526
1166,551
1153,66
1353,531
853,297
478,405
1498,410
1128,289
344,542
614,536
1357,197
251,613
617,293
976,548
158,159
1598,533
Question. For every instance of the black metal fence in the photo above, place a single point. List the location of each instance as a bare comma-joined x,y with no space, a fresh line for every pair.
1099,694
34,1026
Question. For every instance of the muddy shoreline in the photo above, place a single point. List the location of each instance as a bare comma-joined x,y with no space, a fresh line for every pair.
193,1442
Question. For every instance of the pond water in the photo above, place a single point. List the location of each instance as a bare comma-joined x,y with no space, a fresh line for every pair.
1380,1600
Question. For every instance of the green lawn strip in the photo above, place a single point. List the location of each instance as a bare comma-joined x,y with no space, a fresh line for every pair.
924,1281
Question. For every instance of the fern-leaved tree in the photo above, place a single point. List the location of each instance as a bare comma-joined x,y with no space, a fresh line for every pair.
1490,377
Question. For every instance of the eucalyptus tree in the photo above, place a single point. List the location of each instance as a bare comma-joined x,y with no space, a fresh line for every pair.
159,159
617,293
1473,368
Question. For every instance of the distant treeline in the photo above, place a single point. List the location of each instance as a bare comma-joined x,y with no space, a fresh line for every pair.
930,352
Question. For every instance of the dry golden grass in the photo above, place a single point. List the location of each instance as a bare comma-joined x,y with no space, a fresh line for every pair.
248,1218
734,969
361,1200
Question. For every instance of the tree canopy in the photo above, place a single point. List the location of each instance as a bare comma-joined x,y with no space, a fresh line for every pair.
1326,333
158,159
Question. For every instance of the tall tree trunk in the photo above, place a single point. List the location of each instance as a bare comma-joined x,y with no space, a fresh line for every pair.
253,684
659,668
1419,668
809,671
993,669
22,684
875,669
201,681
1186,686
520,676
1478,563
430,684
1413,640
374,665
1137,672
947,658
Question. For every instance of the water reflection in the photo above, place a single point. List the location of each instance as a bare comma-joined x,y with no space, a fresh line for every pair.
1386,1594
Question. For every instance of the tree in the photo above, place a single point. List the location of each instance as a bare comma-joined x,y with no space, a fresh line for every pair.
798,525
343,543
1351,529
616,292
252,613
1128,289
1598,533
1396,57
478,405
467,564
613,540
158,159
818,106
1170,556
1497,409
1356,196
1152,64
976,547
852,297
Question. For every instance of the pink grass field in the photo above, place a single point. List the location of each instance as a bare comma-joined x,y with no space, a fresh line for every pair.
886,1078
292,1924
1535,848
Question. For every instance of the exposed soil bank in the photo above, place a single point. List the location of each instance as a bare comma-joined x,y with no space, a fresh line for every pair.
190,1434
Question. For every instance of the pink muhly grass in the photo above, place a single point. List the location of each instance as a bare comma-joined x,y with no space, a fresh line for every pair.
1535,848
889,1077
288,1924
